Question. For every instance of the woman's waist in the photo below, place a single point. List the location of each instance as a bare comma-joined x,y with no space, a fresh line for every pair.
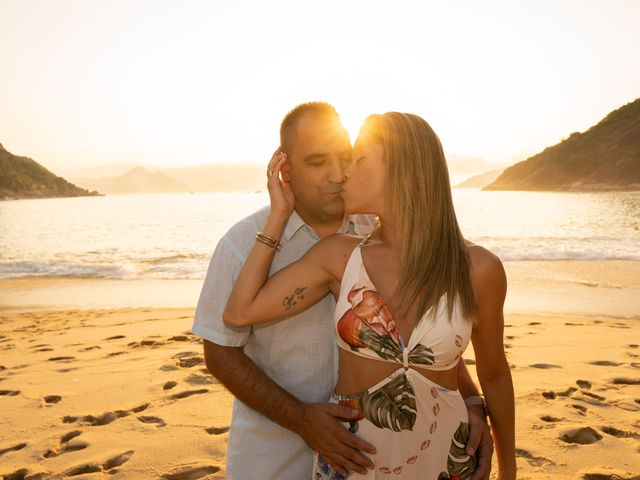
358,374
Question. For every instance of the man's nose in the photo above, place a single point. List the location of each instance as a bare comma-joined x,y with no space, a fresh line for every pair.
336,171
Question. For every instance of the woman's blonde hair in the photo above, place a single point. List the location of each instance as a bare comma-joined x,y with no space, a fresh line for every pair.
434,259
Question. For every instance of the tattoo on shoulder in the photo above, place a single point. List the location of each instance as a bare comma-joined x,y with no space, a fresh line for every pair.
297,296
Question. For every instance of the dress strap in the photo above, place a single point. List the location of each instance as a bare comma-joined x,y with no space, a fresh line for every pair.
365,239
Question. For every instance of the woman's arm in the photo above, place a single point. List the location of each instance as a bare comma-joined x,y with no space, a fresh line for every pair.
255,297
490,287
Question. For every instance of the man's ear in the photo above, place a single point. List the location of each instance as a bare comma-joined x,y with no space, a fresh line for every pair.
286,175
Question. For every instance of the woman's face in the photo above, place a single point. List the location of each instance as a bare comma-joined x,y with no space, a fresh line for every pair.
363,191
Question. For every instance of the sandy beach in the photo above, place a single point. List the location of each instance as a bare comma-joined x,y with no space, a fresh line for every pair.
94,391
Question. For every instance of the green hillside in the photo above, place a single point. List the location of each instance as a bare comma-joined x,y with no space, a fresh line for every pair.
21,177
605,157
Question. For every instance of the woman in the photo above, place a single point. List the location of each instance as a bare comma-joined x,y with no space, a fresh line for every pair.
410,297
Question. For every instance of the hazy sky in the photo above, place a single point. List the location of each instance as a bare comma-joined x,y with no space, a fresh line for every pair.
158,82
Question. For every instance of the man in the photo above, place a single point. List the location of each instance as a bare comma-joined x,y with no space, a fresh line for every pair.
282,373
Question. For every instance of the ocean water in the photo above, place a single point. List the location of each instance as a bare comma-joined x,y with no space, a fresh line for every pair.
172,236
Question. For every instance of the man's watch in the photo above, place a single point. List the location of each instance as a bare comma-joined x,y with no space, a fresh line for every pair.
477,400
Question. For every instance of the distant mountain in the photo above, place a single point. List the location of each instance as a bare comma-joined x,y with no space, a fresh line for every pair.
136,180
605,157
482,180
22,177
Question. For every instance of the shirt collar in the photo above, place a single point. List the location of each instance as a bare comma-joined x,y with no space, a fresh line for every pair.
294,224
354,224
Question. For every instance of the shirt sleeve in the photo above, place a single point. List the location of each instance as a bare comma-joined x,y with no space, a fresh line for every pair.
222,273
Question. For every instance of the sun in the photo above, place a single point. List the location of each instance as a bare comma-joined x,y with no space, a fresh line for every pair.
352,120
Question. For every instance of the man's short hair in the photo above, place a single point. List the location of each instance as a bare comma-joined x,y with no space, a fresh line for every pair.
291,119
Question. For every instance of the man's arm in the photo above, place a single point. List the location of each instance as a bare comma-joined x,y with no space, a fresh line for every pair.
479,432
315,423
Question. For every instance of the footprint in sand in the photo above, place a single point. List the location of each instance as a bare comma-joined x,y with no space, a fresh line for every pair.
66,445
145,343
117,461
188,393
216,430
545,365
594,395
115,354
150,419
2,367
550,419
189,362
191,473
169,385
633,345
115,337
60,359
188,359
14,448
168,367
9,393
469,361
195,379
108,466
606,363
565,393
50,399
92,347
45,349
179,338
140,408
534,323
104,418
581,408
583,384
625,381
65,370
532,459
582,436
613,431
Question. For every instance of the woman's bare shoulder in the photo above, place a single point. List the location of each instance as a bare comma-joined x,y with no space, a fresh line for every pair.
333,252
338,245
487,271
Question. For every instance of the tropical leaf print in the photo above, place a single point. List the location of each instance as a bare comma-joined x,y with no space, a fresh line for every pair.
421,355
392,406
386,348
382,345
460,466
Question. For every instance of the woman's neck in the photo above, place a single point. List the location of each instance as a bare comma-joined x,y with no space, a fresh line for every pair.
387,232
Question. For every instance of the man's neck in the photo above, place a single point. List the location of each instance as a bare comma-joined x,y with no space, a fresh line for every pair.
322,228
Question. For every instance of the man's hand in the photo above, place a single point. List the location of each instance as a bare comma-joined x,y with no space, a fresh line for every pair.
319,427
480,439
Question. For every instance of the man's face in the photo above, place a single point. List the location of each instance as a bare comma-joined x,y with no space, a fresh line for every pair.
320,153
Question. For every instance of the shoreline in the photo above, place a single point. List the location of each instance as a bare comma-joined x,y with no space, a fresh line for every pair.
582,287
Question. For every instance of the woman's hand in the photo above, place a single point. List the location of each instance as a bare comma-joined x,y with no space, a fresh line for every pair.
282,198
